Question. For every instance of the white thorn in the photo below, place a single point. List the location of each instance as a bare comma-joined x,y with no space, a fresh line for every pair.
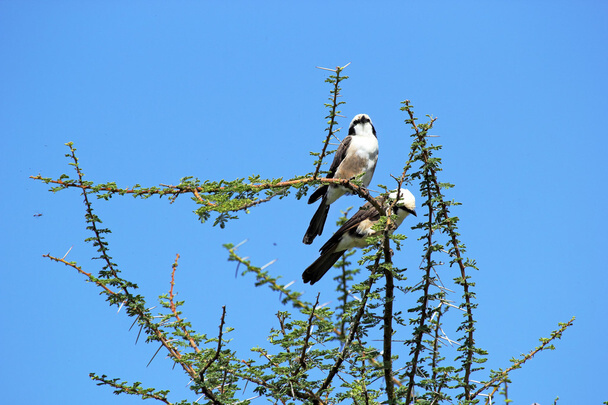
66,253
240,244
268,264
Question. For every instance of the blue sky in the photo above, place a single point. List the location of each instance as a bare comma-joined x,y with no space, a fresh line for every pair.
153,91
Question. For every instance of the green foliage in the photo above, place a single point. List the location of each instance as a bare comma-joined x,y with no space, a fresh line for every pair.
369,348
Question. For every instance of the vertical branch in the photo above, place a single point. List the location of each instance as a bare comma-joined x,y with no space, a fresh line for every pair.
388,303
219,345
135,304
333,113
434,360
362,377
344,289
387,361
421,328
92,219
388,334
455,251
353,331
305,346
208,393
173,308
506,392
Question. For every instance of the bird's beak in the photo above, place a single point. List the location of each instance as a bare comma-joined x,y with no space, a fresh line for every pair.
413,212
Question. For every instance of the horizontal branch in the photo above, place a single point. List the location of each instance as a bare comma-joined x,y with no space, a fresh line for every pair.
196,191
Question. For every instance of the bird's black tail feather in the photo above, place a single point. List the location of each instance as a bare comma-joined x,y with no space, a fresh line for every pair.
318,193
316,223
315,271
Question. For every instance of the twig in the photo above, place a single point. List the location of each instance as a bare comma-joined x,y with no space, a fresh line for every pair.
219,345
208,393
174,308
517,364
351,336
351,186
136,310
123,388
387,361
302,360
467,363
81,271
257,202
331,116
424,306
281,317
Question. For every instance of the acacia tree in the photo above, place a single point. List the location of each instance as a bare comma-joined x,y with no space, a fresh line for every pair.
321,355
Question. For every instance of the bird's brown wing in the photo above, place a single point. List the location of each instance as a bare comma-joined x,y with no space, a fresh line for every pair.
366,212
338,158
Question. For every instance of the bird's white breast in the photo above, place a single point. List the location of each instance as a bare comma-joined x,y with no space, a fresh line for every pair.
361,157
364,231
366,147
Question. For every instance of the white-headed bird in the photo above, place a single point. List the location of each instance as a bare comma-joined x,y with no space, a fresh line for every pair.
356,230
357,155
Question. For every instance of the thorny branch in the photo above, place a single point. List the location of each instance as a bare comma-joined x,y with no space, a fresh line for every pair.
302,360
175,190
517,364
298,394
331,116
389,297
353,331
459,259
434,361
219,345
92,220
173,352
388,318
142,315
174,308
208,393
424,306
137,309
132,390
292,297
81,271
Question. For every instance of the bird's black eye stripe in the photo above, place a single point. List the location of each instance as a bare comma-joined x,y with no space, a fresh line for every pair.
397,208
360,120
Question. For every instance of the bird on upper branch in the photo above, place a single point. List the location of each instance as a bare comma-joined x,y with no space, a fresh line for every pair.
357,155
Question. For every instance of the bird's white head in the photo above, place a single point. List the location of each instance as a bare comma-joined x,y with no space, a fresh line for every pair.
361,125
406,201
